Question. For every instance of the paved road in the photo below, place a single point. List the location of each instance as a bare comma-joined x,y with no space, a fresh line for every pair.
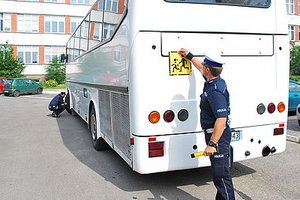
46,158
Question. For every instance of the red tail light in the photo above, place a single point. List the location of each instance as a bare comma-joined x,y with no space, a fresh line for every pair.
271,108
156,149
169,116
278,131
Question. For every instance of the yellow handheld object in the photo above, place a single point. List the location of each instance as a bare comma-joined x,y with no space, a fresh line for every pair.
199,153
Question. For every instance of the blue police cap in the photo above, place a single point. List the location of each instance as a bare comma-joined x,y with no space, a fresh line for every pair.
212,61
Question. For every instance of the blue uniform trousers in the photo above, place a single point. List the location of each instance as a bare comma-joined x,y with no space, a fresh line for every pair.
220,167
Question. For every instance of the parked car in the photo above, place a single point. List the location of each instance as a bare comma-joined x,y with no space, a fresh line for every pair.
2,82
294,95
17,86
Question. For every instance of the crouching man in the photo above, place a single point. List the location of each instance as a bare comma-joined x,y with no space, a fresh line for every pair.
57,104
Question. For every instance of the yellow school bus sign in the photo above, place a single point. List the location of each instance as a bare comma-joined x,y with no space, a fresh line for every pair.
178,65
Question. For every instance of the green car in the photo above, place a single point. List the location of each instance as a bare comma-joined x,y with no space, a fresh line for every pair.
17,86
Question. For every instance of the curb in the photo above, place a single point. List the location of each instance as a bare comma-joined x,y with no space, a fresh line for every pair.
53,91
292,138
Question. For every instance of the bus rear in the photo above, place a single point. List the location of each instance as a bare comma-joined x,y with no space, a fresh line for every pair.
164,93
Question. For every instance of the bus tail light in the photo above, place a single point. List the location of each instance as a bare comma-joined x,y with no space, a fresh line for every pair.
156,149
183,115
169,116
278,131
281,107
271,108
154,117
261,108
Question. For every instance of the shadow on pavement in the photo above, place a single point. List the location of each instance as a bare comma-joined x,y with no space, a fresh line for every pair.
110,166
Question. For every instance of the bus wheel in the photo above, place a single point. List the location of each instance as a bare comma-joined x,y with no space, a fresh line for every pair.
98,143
67,99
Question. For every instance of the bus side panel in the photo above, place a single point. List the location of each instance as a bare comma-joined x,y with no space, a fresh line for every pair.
114,120
112,113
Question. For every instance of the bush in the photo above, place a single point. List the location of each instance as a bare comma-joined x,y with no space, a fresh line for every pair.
295,78
49,83
56,71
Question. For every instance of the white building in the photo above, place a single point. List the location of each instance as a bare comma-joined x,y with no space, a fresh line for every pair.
39,29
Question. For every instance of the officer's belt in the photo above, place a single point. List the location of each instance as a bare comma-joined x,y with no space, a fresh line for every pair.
208,131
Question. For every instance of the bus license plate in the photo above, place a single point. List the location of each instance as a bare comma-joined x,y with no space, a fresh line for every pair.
236,136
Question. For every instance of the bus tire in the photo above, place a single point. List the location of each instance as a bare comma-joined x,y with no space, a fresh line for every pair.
68,108
98,143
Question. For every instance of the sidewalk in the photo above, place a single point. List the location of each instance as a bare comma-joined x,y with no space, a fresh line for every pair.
53,91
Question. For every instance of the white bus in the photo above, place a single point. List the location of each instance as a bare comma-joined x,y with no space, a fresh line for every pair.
141,100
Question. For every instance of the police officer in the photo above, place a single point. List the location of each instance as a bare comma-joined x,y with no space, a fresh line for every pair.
214,113
57,104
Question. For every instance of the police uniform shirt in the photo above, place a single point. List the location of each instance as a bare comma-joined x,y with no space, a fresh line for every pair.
214,102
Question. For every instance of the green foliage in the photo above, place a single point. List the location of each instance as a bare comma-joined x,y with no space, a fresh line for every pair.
56,71
49,83
295,78
10,67
295,60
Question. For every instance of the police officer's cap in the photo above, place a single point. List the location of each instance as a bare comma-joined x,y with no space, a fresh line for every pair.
213,60
62,93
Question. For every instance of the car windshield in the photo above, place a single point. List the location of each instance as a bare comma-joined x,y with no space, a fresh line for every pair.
250,3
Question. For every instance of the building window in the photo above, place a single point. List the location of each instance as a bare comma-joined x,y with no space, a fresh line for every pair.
5,22
55,1
75,21
108,30
292,32
54,24
52,52
290,6
28,54
84,2
28,23
111,5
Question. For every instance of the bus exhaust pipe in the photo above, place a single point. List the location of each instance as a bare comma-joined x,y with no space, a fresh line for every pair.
266,151
273,150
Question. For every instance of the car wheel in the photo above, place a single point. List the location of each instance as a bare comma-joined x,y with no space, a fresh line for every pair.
39,91
16,93
98,143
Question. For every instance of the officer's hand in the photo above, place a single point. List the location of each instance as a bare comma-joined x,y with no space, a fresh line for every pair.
183,52
209,151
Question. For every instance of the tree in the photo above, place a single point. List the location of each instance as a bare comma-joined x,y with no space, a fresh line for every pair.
56,71
295,60
10,66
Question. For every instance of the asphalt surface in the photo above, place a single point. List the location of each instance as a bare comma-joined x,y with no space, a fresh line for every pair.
47,158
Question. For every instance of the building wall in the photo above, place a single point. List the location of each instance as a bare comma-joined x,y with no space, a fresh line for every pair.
29,32
293,19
